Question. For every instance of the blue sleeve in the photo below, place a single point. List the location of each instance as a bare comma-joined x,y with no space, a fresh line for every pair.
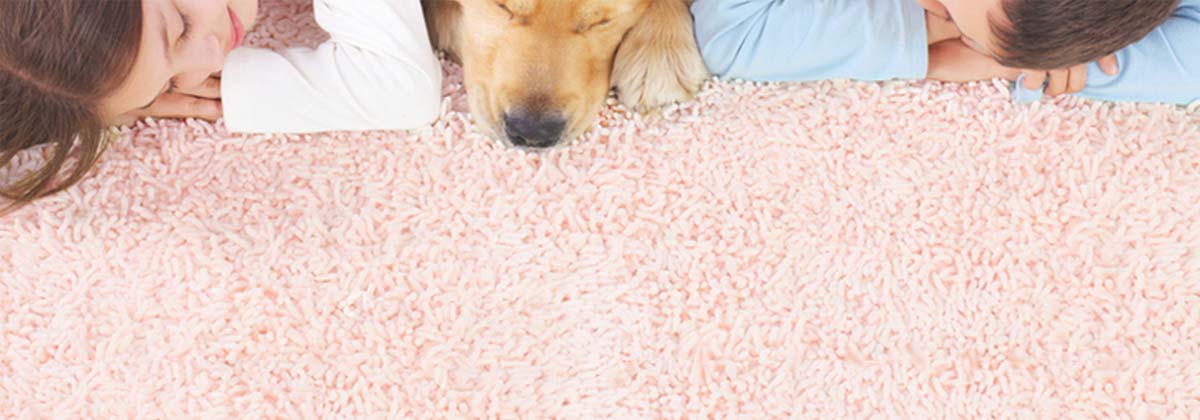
795,40
1163,67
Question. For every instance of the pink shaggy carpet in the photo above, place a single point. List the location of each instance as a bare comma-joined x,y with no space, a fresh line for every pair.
821,250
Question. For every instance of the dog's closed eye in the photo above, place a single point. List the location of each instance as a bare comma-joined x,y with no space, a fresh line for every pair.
584,27
505,8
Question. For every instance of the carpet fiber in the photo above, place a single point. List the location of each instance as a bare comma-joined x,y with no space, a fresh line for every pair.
818,250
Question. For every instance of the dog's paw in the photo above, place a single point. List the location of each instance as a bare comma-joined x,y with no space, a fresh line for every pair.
658,63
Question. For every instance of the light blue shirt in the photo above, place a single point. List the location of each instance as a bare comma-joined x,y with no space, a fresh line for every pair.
799,40
1162,67
794,40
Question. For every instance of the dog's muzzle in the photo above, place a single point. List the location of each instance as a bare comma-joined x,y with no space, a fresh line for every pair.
534,130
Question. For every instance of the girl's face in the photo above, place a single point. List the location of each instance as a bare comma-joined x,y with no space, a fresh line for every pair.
184,42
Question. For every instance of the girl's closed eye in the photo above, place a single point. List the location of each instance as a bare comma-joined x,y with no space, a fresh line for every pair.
172,85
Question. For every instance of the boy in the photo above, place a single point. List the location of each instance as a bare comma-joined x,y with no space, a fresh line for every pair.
959,40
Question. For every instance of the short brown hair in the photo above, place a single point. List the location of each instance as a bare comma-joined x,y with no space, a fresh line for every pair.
1053,34
58,59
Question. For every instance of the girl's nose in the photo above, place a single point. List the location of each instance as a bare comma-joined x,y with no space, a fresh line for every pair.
205,58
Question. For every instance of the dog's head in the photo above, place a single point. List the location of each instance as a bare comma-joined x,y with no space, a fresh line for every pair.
538,71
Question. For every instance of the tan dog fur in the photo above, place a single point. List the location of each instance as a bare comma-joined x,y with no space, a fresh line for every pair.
561,57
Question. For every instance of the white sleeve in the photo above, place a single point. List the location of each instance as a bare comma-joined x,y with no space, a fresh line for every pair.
377,72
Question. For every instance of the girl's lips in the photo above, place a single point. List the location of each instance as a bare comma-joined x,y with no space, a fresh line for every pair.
238,31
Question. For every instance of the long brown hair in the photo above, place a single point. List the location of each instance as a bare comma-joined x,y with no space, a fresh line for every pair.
58,59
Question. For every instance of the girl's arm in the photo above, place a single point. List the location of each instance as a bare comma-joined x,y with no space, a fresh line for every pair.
377,71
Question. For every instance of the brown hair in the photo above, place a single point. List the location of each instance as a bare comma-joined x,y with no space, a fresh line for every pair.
1053,34
58,59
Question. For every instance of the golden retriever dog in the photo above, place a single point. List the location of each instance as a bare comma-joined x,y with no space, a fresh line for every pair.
537,72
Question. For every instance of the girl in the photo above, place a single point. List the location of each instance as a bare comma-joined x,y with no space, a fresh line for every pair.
69,68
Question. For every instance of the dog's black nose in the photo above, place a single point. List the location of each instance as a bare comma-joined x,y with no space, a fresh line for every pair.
534,130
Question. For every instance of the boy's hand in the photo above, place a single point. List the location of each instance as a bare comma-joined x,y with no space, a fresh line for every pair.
1068,80
954,61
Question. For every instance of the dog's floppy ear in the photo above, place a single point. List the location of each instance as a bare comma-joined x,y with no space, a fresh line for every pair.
443,19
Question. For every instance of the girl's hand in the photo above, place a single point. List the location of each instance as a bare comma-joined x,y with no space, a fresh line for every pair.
202,101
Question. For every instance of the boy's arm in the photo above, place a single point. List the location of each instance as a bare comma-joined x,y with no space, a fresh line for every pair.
1162,67
377,71
772,40
954,61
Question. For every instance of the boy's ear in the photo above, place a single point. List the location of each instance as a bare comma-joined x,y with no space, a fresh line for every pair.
935,7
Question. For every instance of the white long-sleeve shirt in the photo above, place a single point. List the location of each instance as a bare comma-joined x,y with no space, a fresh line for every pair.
376,72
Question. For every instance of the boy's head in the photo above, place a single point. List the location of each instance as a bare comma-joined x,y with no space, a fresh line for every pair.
1052,34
